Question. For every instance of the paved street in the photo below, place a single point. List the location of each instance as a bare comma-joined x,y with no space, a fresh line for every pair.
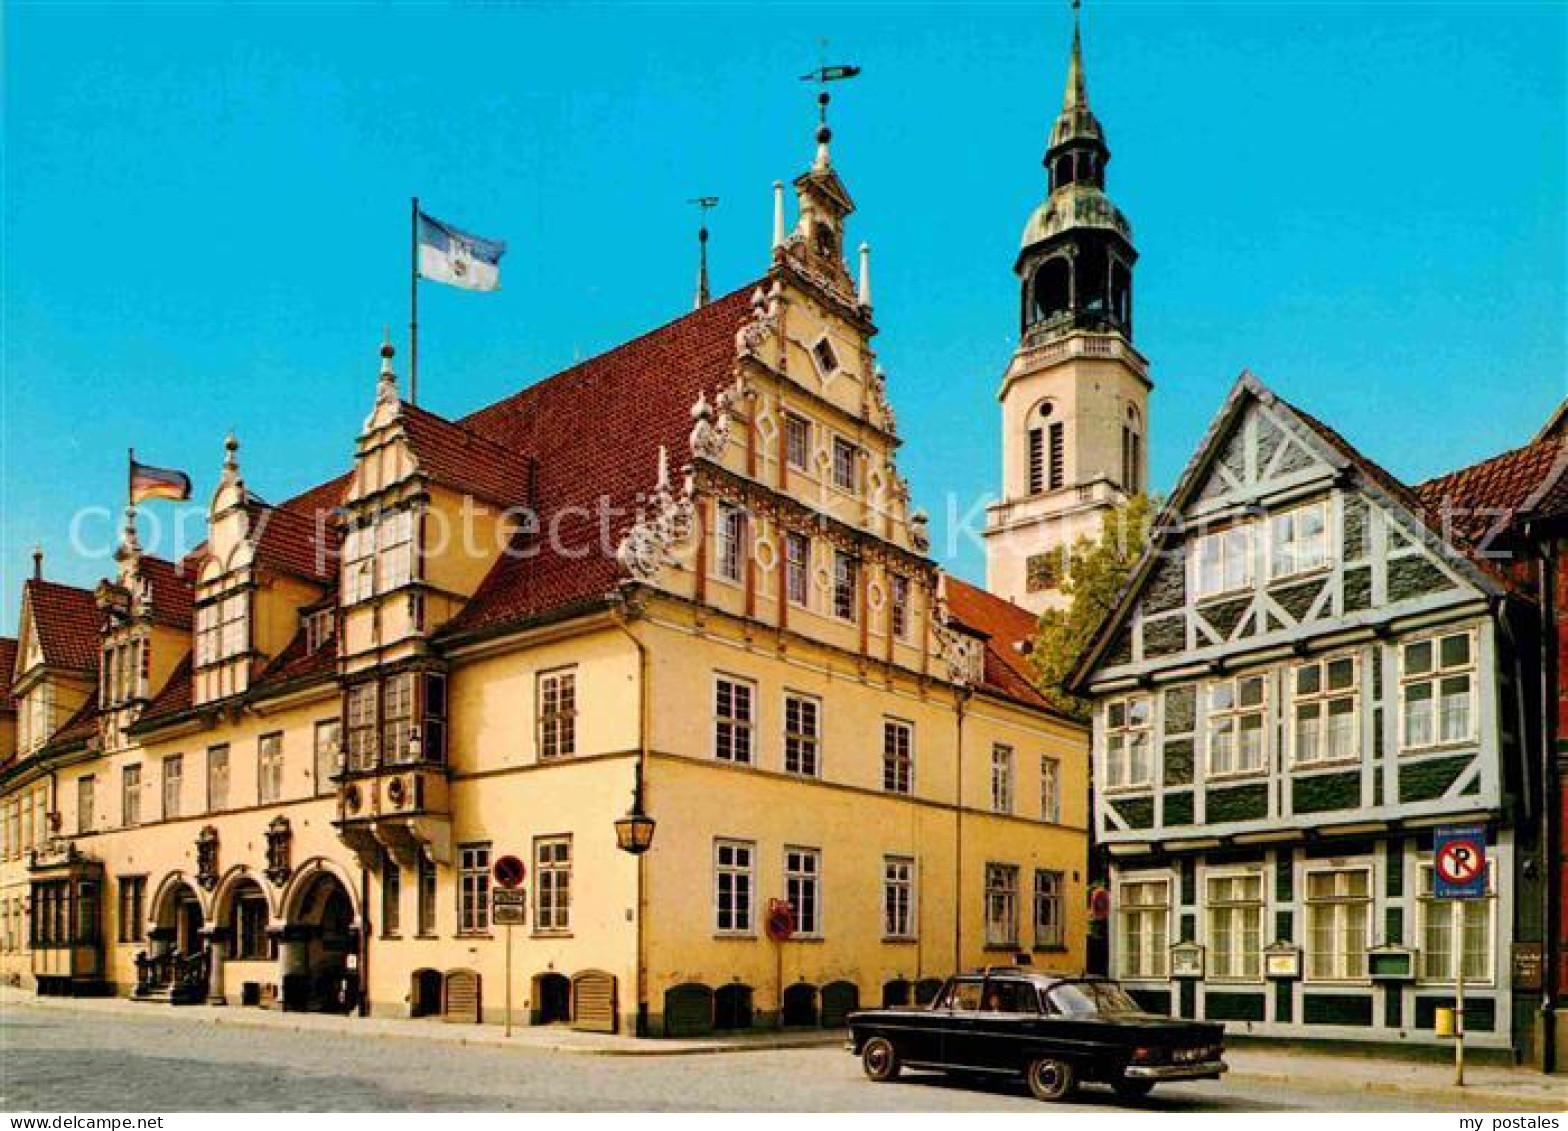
158,1062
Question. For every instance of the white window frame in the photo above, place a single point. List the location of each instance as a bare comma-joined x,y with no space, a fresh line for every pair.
1322,701
797,427
86,803
898,606
1235,714
1246,962
1147,914
556,707
473,888
1004,768
1433,678
1001,894
900,897
1125,734
172,786
220,778
1291,555
846,587
1050,789
737,726
803,889
1049,891
729,536
553,884
743,921
327,751
844,456
131,795
830,365
1342,972
1439,912
1232,559
898,764
802,734
797,571
269,768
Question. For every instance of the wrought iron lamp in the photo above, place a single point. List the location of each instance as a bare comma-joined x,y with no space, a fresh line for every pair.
634,832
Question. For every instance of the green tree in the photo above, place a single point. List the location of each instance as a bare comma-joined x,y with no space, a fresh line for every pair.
1093,572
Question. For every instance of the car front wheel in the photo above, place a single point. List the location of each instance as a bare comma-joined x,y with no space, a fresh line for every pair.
1051,1079
880,1059
1133,1089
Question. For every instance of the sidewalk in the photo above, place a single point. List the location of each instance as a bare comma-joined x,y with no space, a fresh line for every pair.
1488,1088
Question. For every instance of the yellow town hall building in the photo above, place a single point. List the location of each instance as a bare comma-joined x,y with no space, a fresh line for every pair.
682,578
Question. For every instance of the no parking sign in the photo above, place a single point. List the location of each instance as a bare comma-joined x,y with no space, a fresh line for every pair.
1459,862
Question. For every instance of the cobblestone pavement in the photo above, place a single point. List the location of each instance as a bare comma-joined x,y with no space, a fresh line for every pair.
61,1060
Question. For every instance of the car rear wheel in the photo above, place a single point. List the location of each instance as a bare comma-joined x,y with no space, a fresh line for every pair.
880,1059
1050,1079
1132,1089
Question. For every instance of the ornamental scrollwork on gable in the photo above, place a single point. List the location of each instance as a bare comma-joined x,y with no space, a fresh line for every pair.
763,324
666,521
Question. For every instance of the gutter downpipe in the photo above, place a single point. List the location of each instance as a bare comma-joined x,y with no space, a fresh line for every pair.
1551,809
625,611
961,694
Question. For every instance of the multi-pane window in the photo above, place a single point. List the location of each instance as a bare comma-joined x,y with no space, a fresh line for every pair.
1222,561
269,767
124,672
846,585
217,778
898,607
1001,905
173,785
898,756
328,753
222,628
797,441
320,627
131,796
733,719
1437,691
1437,933
557,714
898,897
802,735
379,557
1235,918
1298,540
1324,700
359,563
86,808
1237,737
728,535
427,896
132,903
391,895
553,884
1128,728
845,456
473,889
1143,915
1339,907
803,888
797,568
1001,778
397,719
35,719
732,886
1050,923
251,940
1050,789
361,718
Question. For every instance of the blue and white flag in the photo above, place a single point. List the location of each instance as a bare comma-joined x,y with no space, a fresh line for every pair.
447,255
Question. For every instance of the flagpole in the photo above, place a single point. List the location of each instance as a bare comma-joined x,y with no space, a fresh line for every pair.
413,305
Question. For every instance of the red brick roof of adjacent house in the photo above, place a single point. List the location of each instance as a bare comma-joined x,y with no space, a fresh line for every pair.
8,645
1006,626
81,726
302,543
295,665
66,621
173,589
455,456
595,431
174,697
1483,500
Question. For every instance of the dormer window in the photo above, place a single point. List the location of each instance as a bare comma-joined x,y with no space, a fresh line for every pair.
123,677
379,556
222,628
320,627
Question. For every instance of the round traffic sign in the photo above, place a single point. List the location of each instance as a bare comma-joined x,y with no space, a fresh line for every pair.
780,923
509,871
1460,861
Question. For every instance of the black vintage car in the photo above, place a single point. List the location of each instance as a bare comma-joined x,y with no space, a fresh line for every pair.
1055,1031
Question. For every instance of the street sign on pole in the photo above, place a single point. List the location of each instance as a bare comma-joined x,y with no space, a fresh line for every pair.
1459,875
510,872
508,908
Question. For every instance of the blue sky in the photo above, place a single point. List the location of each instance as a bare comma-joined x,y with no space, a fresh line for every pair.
206,216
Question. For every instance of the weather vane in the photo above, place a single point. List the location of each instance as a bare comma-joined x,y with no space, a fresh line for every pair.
824,74
704,205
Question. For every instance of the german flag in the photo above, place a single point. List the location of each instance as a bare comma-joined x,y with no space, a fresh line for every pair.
158,483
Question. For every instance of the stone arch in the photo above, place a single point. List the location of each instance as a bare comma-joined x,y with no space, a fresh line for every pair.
1050,289
170,922
305,877
231,884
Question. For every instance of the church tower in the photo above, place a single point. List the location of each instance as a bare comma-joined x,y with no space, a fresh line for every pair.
1075,395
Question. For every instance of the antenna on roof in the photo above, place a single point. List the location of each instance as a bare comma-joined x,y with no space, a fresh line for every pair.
704,204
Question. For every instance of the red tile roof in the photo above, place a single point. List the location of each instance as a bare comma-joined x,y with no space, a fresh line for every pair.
1483,500
453,456
173,588
1005,626
636,397
81,726
66,621
174,697
8,646
295,665
300,542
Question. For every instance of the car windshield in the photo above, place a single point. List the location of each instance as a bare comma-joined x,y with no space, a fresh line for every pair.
1091,997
